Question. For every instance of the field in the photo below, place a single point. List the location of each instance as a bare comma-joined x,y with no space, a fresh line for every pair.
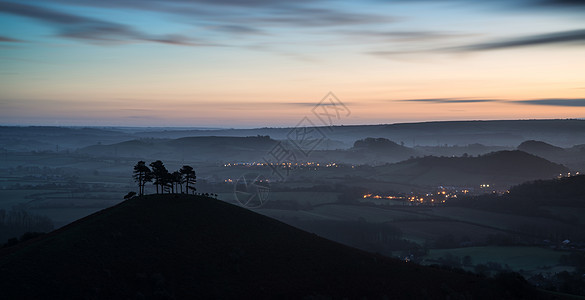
428,231
526,260
341,212
572,214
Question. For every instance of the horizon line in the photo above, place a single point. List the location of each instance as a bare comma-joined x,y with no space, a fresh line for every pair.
213,128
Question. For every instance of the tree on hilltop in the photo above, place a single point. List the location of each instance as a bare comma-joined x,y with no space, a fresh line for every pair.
178,181
160,175
189,178
142,175
165,181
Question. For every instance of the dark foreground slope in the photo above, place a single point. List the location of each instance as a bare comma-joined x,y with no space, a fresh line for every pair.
195,247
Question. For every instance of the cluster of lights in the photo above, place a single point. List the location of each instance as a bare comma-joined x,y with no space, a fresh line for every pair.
303,164
229,180
439,196
569,174
245,164
382,197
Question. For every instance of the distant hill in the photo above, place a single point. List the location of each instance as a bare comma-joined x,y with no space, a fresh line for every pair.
458,150
561,198
567,191
540,148
571,157
498,132
251,148
187,247
378,144
507,133
380,149
503,168
53,138
193,148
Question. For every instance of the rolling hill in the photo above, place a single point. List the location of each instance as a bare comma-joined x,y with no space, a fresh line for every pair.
503,168
183,247
571,157
508,133
539,148
193,148
381,149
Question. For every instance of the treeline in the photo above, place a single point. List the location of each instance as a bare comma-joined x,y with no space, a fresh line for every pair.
529,197
566,191
163,180
15,223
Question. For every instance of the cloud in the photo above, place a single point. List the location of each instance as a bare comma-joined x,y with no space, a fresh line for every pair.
405,36
553,102
267,17
321,17
568,102
234,13
563,37
236,29
4,39
515,4
312,104
568,4
211,18
80,27
449,100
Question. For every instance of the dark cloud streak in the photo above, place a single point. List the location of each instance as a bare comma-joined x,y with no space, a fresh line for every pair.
407,36
449,100
553,102
563,37
4,39
79,27
566,102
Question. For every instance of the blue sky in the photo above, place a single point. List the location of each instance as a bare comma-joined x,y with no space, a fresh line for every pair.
257,63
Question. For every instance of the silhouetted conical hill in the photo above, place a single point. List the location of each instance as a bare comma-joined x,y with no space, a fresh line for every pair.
520,163
188,247
540,148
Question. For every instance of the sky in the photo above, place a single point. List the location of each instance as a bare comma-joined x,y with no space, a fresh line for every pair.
268,63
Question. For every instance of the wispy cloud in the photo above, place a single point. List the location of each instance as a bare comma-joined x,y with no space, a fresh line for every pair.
568,4
553,102
563,37
449,100
575,37
322,17
240,15
568,102
236,29
311,104
404,36
8,40
211,18
85,28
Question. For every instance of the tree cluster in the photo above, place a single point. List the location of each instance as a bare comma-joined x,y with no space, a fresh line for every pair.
163,180
17,222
